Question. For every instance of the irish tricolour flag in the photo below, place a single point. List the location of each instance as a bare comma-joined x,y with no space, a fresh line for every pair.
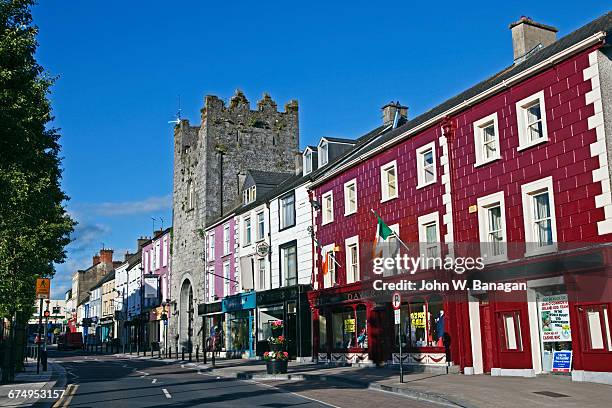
383,232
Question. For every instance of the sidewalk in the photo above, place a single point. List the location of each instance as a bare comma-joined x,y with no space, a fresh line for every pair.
29,387
446,389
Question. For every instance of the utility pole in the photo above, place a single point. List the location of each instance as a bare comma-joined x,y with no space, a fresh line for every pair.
39,337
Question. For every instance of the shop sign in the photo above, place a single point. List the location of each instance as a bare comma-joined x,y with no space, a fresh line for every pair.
562,361
150,287
417,320
555,319
349,326
209,308
238,302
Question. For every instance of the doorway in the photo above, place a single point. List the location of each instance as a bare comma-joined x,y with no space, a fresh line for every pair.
486,335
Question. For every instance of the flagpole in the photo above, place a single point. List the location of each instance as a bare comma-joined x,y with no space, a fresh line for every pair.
321,247
393,232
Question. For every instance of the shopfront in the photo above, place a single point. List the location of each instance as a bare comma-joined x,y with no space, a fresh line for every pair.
289,305
346,325
106,328
240,324
213,323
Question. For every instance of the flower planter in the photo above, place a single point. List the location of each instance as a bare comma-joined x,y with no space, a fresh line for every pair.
276,347
276,366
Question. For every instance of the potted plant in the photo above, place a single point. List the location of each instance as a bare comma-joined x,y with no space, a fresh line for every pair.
277,328
276,362
277,343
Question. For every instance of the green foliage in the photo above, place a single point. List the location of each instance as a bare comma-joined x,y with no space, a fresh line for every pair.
34,225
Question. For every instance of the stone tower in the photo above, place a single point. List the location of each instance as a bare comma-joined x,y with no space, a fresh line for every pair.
210,163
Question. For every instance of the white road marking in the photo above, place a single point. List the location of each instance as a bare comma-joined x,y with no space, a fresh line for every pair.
154,381
294,393
166,393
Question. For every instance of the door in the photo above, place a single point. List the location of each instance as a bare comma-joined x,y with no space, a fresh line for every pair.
486,336
291,330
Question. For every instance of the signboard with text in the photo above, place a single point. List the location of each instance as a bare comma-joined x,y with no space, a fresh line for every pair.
43,288
150,287
562,361
555,319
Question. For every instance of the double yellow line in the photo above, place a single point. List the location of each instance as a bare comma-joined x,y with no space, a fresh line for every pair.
66,398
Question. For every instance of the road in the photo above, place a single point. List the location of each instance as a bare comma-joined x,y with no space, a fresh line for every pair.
110,381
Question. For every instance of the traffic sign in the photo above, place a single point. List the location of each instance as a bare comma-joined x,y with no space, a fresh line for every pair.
43,288
397,316
396,301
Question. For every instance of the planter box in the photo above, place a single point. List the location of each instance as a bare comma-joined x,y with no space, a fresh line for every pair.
276,366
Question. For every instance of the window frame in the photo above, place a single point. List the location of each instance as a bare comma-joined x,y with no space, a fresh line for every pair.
352,242
282,227
423,222
603,309
261,283
323,153
211,246
503,334
384,185
248,232
521,120
210,283
484,204
307,161
324,210
479,148
327,249
261,227
282,270
227,283
528,191
420,154
227,242
347,185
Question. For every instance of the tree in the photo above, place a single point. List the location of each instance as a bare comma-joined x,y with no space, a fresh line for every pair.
34,225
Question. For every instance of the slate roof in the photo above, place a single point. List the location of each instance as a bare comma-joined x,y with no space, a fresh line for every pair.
371,141
268,177
339,139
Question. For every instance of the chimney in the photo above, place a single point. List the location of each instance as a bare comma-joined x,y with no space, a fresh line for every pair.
389,111
140,242
299,163
96,260
528,37
106,256
126,256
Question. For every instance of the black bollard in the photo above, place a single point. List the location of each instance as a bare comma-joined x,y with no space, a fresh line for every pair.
183,353
159,353
130,348
197,354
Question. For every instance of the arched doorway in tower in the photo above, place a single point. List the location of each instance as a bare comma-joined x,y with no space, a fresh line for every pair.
186,315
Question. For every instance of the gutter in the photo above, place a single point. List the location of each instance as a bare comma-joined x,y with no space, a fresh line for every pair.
574,49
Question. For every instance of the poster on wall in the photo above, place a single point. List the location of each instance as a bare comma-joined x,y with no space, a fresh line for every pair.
555,319
349,326
562,361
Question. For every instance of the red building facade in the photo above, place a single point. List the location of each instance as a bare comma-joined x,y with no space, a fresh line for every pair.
514,169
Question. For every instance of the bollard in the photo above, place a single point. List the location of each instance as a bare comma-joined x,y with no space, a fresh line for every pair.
159,353
130,348
197,354
189,354
123,348
183,353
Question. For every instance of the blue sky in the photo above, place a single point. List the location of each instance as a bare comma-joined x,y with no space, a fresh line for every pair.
122,64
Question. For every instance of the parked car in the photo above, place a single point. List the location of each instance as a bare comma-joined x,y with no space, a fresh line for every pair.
69,341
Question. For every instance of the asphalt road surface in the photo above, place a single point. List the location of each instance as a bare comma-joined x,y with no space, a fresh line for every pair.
109,381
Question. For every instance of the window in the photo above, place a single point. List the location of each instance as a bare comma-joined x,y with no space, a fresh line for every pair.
486,140
510,331
492,227
288,253
429,235
261,273
597,327
352,259
388,181
210,287
146,265
531,121
349,327
287,211
539,217
308,162
390,249
165,252
328,207
350,197
323,151
426,165
157,255
226,278
247,231
261,226
190,195
226,240
249,195
211,246
322,332
328,266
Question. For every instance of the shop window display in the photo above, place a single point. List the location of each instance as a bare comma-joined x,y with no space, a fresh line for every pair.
349,328
422,323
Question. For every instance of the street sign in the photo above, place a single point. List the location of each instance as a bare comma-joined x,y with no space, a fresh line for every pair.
396,301
397,316
43,288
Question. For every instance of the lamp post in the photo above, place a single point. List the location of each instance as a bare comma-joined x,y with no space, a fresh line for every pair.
164,317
